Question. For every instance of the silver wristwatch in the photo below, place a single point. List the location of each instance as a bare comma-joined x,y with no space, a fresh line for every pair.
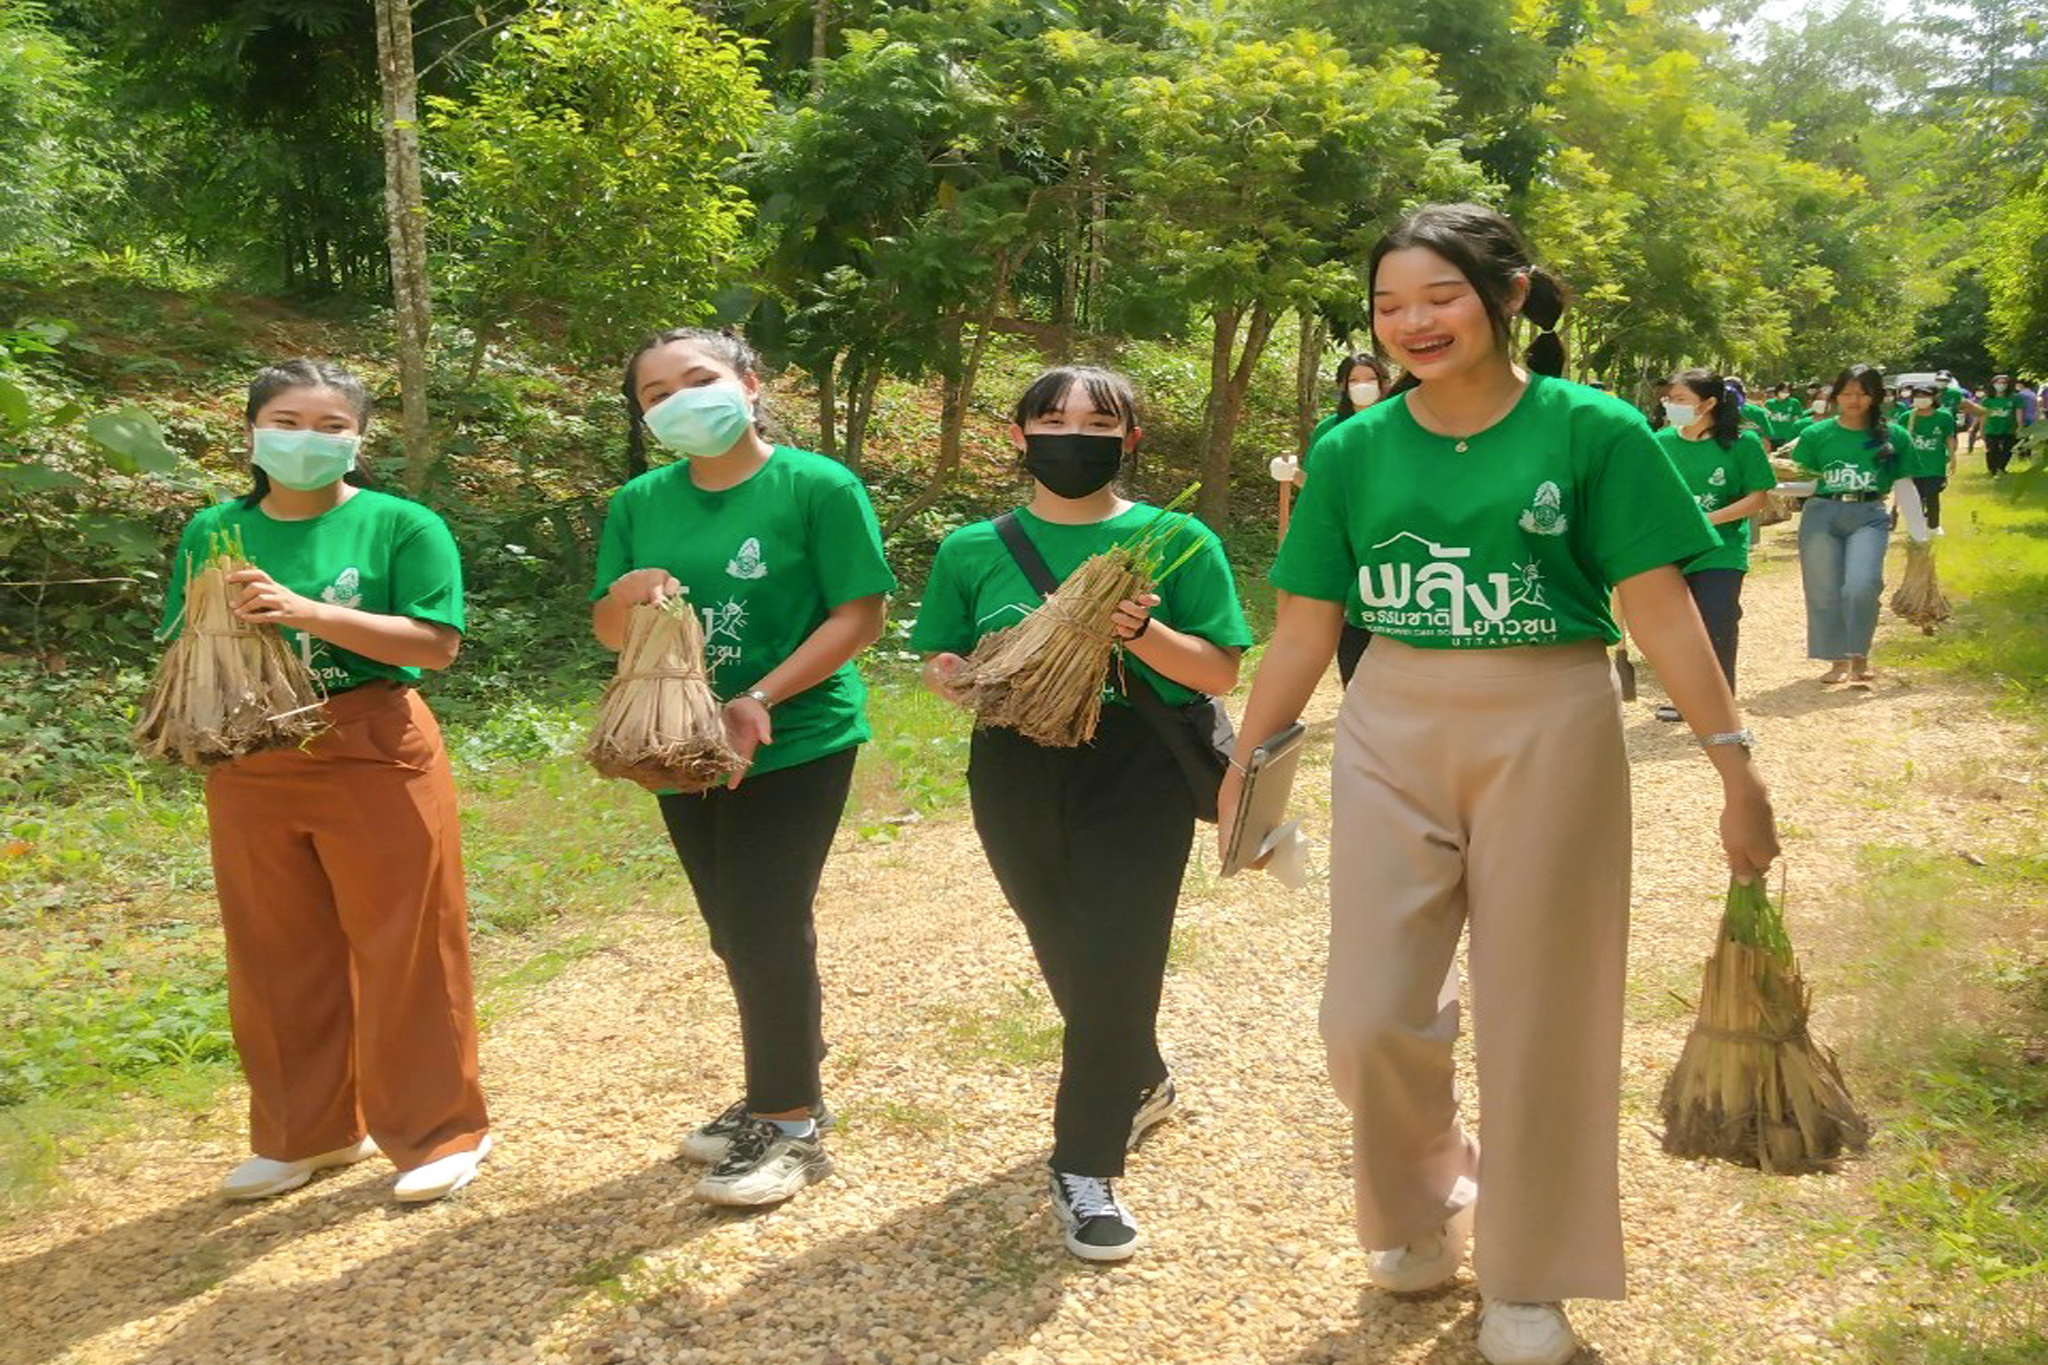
767,702
1746,738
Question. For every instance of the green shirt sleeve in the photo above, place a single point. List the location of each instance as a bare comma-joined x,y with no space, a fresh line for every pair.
614,545
426,574
1643,515
846,546
1754,468
945,618
1316,559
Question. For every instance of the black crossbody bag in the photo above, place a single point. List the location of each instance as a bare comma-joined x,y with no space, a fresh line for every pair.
1198,735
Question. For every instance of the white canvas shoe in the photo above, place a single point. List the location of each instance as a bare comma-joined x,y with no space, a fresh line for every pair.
1526,1334
1433,1261
259,1177
437,1179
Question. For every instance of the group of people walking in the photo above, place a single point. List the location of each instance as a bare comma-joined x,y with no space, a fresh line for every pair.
1473,525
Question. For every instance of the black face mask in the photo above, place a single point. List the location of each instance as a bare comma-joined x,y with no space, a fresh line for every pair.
1073,464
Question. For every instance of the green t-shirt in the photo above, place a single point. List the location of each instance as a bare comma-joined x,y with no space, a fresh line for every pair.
2001,413
765,562
1784,409
1323,429
1791,427
1843,460
1718,477
976,587
1927,437
1759,420
1951,398
1516,541
373,552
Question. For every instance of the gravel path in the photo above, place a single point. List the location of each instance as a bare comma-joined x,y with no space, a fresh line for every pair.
933,1244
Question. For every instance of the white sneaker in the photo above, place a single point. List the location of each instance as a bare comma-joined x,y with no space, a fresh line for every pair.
1526,1334
1155,1107
259,1177
764,1165
437,1179
1433,1261
706,1146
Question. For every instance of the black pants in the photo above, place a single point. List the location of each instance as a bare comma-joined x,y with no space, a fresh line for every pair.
1089,845
1718,595
1930,486
1997,452
1351,643
754,856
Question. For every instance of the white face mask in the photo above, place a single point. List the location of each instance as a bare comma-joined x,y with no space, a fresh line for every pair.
1680,414
1923,404
1818,406
1364,393
2000,386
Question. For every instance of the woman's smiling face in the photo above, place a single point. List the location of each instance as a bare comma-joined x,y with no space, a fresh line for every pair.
1428,316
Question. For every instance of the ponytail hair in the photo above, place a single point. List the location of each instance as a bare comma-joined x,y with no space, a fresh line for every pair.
1871,380
1490,252
1704,383
727,347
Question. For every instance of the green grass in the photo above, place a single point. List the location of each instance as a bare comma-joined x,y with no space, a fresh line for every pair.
1947,997
1018,1028
1994,567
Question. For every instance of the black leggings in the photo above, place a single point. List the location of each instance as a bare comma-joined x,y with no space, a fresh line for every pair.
753,856
1930,486
1089,845
1997,451
1718,594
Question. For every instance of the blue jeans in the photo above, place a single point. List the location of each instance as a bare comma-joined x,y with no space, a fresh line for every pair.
1841,563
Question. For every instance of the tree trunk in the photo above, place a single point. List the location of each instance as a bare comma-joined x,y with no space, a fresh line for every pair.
821,27
828,407
1073,246
1308,377
956,395
1228,385
405,223
859,409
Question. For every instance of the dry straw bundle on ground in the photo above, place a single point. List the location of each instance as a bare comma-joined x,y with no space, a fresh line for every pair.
225,687
1919,597
659,724
1751,1086
1043,677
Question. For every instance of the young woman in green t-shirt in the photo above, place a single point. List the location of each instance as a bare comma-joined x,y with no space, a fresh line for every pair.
338,864
1856,458
1725,466
779,552
1089,843
1484,515
1999,411
1361,382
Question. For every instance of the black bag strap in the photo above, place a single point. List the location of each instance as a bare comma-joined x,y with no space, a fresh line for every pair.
1037,572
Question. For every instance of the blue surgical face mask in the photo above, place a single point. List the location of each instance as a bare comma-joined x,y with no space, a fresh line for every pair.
1681,414
702,422
304,460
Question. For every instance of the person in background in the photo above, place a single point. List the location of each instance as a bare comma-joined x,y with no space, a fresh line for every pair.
1724,465
1999,413
1754,417
338,863
1930,458
2030,403
1361,382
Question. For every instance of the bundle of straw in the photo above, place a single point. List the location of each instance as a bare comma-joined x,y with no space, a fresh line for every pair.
659,724
1751,1086
1043,677
1777,507
1919,597
225,687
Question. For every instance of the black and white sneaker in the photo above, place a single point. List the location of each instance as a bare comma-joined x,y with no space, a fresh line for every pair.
1155,1107
1097,1225
764,1165
706,1145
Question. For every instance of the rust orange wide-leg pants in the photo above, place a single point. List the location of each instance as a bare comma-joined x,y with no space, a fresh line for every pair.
1486,788
339,871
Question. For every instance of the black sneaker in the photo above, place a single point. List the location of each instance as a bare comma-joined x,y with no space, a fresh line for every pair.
706,1145
1097,1225
1155,1107
1669,713
764,1165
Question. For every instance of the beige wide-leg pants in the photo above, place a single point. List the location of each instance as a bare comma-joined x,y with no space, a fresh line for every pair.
1487,787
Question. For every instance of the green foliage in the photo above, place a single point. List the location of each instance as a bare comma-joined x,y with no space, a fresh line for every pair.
48,125
582,173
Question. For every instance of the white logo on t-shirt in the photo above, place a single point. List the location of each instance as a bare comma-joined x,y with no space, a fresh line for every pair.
1545,516
1719,478
721,623
747,563
1437,598
345,591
